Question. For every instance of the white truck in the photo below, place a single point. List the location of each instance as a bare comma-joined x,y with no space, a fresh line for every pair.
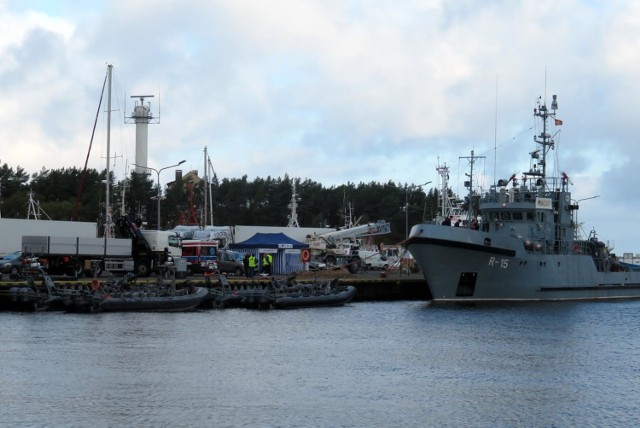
382,258
341,247
136,251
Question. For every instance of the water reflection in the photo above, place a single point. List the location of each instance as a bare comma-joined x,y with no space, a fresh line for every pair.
365,364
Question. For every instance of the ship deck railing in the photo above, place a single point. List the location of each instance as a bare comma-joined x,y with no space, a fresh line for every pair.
525,193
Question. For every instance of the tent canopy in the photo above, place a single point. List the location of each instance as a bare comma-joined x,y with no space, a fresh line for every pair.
269,240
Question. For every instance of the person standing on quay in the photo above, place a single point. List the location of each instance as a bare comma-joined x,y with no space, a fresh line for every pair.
253,264
267,259
245,262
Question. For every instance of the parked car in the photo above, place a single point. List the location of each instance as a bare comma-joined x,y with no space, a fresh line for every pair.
12,263
375,260
230,262
316,266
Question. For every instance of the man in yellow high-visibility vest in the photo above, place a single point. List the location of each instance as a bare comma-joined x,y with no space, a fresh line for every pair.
253,264
267,260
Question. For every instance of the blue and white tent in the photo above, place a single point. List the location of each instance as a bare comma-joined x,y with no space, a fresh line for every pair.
285,251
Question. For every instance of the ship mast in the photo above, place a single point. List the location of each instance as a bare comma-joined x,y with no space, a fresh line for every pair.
544,139
445,200
469,184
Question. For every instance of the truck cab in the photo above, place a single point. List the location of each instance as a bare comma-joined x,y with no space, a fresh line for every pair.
201,256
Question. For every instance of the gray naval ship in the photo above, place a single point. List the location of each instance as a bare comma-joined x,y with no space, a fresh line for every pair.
522,244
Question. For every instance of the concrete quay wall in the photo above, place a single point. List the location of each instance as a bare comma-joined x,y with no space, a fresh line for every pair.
370,286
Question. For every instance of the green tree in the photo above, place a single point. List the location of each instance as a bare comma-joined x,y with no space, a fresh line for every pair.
13,191
238,201
139,199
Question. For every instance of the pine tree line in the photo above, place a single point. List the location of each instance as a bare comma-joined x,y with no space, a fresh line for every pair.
71,194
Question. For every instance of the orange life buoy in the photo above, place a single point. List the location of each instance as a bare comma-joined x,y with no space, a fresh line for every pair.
95,284
306,255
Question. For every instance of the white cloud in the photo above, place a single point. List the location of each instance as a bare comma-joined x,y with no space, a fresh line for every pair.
333,91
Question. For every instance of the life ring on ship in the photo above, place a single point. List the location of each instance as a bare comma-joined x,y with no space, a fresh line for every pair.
306,255
576,248
95,284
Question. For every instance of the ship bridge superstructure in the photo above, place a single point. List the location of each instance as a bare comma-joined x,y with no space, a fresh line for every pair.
535,207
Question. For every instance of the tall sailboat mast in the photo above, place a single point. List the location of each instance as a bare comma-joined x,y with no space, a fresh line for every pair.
107,216
209,183
207,213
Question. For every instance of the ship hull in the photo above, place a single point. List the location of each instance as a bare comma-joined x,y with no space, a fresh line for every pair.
463,265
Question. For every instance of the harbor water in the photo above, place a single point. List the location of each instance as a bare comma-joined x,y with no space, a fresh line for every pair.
383,364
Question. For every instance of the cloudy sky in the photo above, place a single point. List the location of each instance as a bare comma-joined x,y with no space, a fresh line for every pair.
335,91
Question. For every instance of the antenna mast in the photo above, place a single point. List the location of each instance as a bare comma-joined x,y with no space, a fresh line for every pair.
495,135
544,139
445,202
293,217
469,184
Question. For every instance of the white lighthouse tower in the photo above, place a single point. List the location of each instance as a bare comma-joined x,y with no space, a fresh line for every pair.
142,116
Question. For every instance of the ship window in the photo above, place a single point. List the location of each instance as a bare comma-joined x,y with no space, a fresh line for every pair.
505,216
517,216
531,216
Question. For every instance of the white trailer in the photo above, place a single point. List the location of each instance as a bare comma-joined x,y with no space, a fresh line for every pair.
12,230
75,255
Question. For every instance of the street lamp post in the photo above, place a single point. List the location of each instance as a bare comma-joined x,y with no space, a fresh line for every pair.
158,171
406,207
